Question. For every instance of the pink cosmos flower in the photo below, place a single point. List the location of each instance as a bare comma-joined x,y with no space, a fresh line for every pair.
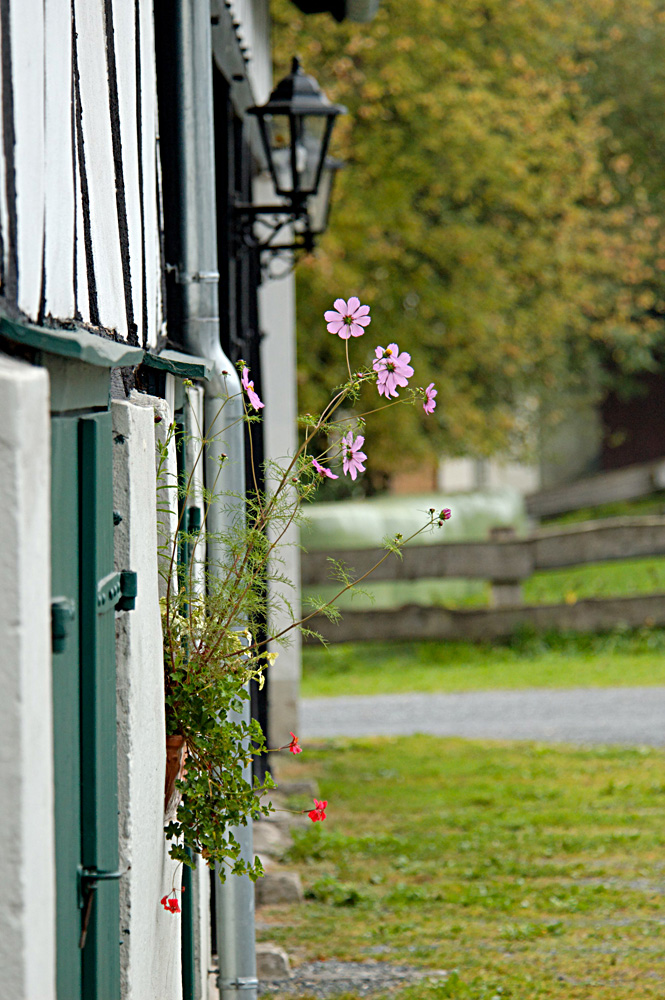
293,745
249,389
430,402
321,469
347,319
319,810
352,456
392,369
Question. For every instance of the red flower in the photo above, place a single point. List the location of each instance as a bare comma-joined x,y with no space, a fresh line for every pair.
319,810
293,745
170,905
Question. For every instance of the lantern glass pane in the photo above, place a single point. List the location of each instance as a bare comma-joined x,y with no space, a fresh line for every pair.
313,133
319,204
279,139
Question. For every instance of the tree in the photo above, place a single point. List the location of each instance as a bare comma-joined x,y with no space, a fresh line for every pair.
626,74
478,215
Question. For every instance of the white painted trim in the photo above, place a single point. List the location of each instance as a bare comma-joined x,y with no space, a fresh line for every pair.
3,178
27,48
150,179
96,123
82,301
59,205
125,54
278,353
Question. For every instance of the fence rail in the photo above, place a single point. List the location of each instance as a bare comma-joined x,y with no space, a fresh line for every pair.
616,484
506,562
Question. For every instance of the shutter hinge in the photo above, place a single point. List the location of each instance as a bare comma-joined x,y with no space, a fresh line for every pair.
63,613
193,520
87,879
117,591
129,589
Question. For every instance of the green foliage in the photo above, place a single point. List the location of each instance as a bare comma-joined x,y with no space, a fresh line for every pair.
208,662
211,619
328,889
216,792
498,211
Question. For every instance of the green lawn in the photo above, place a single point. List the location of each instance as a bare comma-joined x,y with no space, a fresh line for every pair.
652,504
624,578
528,872
553,660
620,578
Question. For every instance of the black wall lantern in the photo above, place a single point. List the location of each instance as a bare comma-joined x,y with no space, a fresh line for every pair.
295,127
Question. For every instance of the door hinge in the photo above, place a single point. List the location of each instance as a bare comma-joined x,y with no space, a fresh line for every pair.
63,614
117,591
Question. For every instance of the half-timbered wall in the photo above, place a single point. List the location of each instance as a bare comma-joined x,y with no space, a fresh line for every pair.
78,172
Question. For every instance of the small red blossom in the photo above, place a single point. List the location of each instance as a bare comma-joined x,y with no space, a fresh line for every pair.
293,745
171,905
319,810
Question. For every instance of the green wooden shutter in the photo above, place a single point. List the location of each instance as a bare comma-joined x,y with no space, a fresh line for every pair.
84,698
99,768
66,704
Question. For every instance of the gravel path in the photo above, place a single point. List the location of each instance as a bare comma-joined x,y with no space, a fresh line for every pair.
630,715
330,978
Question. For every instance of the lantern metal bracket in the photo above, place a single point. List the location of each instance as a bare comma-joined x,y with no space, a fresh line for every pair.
272,219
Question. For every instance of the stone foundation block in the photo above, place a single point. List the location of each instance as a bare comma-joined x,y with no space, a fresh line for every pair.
272,962
276,888
270,839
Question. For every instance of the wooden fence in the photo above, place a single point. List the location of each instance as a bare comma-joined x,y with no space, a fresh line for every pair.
506,562
617,484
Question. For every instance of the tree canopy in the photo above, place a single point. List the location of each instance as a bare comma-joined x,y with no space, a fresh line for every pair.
497,211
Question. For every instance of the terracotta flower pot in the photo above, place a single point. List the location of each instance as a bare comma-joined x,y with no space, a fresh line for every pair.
176,756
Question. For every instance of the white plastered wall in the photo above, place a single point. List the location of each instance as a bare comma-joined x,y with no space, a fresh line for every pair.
151,936
27,854
157,414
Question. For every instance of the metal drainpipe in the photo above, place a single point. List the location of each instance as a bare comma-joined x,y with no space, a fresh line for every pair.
196,275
